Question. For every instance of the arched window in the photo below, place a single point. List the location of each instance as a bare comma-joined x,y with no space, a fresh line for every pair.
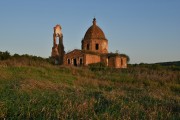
74,62
57,39
69,61
87,46
122,62
97,46
81,61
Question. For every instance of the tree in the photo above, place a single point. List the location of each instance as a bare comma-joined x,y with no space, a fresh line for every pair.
4,55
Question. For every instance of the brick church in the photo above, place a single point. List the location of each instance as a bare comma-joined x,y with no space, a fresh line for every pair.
94,49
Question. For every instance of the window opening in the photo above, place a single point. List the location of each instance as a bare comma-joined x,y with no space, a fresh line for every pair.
69,62
81,61
97,46
87,46
75,62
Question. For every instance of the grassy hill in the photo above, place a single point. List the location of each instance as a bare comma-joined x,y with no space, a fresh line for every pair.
32,88
175,63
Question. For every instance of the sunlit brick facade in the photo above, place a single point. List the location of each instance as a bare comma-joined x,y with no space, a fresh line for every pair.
94,49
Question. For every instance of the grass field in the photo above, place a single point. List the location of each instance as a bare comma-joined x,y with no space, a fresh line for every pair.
35,89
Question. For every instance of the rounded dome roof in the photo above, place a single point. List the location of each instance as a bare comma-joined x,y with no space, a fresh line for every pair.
94,32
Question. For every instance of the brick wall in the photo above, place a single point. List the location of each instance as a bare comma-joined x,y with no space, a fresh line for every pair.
75,57
123,62
89,58
102,45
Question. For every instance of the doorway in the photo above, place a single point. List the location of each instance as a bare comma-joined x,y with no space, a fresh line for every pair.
74,62
81,61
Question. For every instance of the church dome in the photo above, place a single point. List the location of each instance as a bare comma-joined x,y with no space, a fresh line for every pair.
94,32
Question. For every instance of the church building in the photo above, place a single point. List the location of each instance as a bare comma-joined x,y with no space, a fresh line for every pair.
94,49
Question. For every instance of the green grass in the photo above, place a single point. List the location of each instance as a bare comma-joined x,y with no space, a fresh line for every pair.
43,91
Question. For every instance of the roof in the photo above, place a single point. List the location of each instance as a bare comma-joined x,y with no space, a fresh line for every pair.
83,52
94,32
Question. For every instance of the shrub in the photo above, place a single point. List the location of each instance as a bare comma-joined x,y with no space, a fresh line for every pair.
97,66
4,55
16,55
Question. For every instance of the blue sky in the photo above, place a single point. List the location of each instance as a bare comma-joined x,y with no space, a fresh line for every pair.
147,31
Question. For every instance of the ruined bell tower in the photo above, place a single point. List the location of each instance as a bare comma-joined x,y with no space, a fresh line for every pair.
58,49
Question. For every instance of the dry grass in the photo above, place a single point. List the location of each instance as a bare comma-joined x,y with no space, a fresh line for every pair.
50,92
29,85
